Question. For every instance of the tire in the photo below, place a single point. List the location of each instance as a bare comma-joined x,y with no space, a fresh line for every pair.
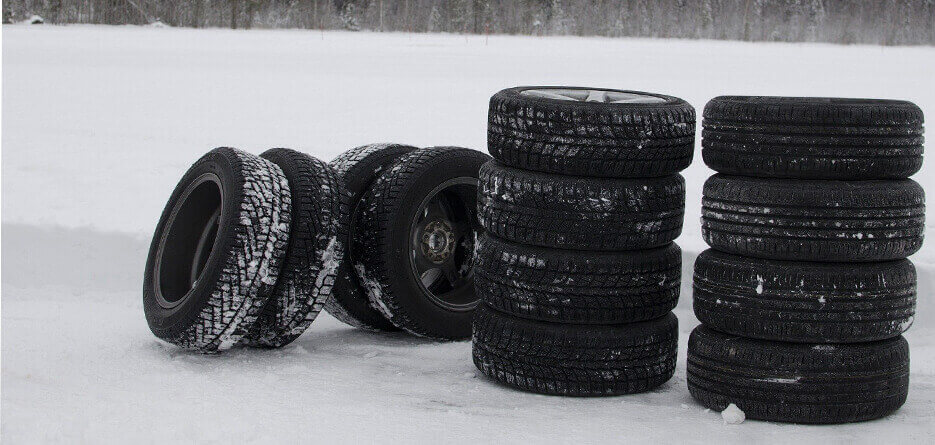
597,139
804,302
572,286
383,242
575,360
812,138
804,220
358,168
315,251
793,382
564,212
217,251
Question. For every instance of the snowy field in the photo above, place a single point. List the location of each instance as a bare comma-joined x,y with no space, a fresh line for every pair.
100,122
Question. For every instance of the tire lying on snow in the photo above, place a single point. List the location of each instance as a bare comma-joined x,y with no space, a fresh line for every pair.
358,168
794,382
802,301
573,286
415,238
807,220
315,251
567,212
813,137
575,360
591,131
217,250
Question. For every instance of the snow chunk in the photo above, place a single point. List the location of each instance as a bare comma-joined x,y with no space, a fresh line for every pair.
733,415
759,285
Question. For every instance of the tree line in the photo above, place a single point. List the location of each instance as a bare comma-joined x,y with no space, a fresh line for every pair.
885,22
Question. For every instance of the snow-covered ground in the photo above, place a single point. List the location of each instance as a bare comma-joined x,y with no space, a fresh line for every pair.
100,122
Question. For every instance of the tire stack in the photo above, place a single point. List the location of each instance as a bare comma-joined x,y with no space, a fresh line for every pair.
577,270
806,292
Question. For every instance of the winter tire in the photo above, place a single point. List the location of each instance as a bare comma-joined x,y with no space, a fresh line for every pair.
217,250
804,302
315,251
573,286
575,360
415,241
812,137
565,212
793,382
591,131
358,168
807,220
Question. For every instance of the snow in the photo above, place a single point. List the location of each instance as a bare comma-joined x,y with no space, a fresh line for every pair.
733,415
100,122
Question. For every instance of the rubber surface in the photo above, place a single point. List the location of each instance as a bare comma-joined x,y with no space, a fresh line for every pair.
804,302
845,221
792,382
567,212
358,168
570,286
813,138
244,262
382,241
575,360
316,250
589,138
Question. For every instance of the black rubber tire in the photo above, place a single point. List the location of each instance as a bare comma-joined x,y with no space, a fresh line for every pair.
794,382
566,212
804,302
590,138
207,298
382,242
358,168
812,137
573,286
315,251
575,360
813,220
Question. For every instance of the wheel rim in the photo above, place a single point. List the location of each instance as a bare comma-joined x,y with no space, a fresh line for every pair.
594,95
188,240
443,233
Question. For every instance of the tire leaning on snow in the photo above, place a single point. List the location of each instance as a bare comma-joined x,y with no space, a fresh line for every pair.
204,292
590,138
315,251
383,242
357,169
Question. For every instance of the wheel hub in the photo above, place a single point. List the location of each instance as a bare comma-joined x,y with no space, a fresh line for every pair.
437,241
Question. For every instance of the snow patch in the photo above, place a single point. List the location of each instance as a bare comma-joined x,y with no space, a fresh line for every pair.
733,415
759,285
330,260
374,291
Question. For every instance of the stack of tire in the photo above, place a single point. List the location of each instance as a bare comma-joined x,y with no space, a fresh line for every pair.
806,292
577,270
